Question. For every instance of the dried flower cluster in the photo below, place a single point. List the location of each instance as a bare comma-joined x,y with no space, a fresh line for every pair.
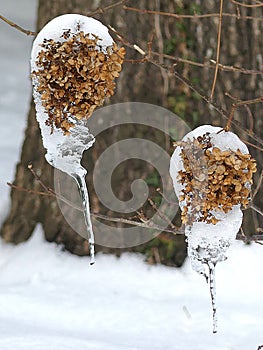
213,179
75,76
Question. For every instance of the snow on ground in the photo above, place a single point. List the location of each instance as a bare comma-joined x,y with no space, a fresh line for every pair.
51,300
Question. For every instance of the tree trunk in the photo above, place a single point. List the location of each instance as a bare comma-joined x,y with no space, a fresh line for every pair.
196,39
142,83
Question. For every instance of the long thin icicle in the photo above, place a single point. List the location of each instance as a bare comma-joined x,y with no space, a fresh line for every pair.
80,179
212,286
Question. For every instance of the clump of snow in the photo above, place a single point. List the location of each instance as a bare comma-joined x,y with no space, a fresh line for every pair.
201,234
61,151
207,242
64,152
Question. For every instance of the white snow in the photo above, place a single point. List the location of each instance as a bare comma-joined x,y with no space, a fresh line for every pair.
51,300
208,243
64,152
208,236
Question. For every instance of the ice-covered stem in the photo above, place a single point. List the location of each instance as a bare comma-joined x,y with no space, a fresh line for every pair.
212,286
80,179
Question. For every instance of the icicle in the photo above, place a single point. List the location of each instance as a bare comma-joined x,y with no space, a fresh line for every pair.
80,179
212,286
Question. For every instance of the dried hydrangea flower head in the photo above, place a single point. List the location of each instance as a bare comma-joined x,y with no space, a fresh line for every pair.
212,179
74,74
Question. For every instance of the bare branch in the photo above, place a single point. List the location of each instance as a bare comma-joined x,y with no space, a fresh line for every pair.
51,193
148,225
22,189
161,214
217,49
100,10
194,16
250,102
247,238
92,13
16,26
252,145
184,80
47,189
254,207
144,223
259,4
258,186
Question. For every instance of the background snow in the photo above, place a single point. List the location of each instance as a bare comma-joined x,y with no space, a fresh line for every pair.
52,300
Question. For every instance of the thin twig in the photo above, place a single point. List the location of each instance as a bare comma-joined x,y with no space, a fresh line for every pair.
100,10
47,189
16,26
258,186
250,118
158,190
233,68
256,209
250,102
22,189
92,13
252,145
260,4
210,66
51,193
217,49
145,224
247,238
194,16
161,214
239,103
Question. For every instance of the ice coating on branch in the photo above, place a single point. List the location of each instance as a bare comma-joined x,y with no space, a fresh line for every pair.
208,242
65,152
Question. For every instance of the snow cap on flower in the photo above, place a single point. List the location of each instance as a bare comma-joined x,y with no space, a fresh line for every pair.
74,64
212,172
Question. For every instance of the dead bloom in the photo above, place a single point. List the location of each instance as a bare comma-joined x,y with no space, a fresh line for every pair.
213,179
75,76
